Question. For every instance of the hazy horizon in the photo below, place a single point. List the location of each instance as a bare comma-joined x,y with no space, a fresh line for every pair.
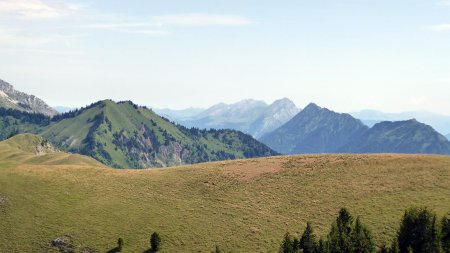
343,55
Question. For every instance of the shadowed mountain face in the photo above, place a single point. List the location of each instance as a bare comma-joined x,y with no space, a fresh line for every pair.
314,130
448,136
319,130
249,116
125,135
408,136
10,98
440,123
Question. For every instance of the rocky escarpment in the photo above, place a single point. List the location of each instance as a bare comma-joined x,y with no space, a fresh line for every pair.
11,98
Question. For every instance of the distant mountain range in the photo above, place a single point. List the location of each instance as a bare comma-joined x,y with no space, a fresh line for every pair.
11,98
125,135
179,115
63,109
408,136
319,130
250,116
439,122
314,130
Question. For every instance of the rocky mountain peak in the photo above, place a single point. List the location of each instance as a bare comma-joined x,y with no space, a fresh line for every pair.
11,98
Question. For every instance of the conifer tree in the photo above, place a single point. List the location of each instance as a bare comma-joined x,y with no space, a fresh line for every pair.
308,240
322,247
418,232
339,238
120,244
287,246
155,242
361,239
445,233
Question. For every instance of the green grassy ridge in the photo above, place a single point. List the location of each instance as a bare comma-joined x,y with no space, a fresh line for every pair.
124,135
242,205
125,122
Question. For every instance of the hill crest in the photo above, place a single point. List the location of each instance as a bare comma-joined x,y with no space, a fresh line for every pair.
124,134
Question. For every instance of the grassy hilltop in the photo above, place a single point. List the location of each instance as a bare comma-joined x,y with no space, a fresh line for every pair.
242,205
124,135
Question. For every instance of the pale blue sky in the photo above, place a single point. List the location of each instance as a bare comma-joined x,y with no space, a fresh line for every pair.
391,55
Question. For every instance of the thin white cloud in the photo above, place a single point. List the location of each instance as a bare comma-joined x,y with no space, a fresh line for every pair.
445,2
439,28
36,9
130,27
199,19
117,25
156,25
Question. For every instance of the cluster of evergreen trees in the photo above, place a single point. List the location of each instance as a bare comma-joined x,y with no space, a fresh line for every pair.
25,117
155,243
419,232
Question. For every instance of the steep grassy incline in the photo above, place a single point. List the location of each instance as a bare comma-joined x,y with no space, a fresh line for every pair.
242,206
126,135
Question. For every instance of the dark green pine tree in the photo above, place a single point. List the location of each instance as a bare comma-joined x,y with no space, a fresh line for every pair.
322,246
445,233
120,244
308,241
287,246
155,242
339,238
418,232
361,239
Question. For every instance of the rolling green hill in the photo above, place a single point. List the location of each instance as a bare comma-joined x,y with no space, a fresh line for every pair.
126,135
242,205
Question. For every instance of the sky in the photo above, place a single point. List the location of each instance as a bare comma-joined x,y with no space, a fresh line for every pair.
346,55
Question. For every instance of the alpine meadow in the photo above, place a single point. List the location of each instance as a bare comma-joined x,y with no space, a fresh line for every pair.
224,127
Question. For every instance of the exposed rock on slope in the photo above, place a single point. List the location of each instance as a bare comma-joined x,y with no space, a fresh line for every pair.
11,98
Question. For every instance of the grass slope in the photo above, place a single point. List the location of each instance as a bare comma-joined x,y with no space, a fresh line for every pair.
242,206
